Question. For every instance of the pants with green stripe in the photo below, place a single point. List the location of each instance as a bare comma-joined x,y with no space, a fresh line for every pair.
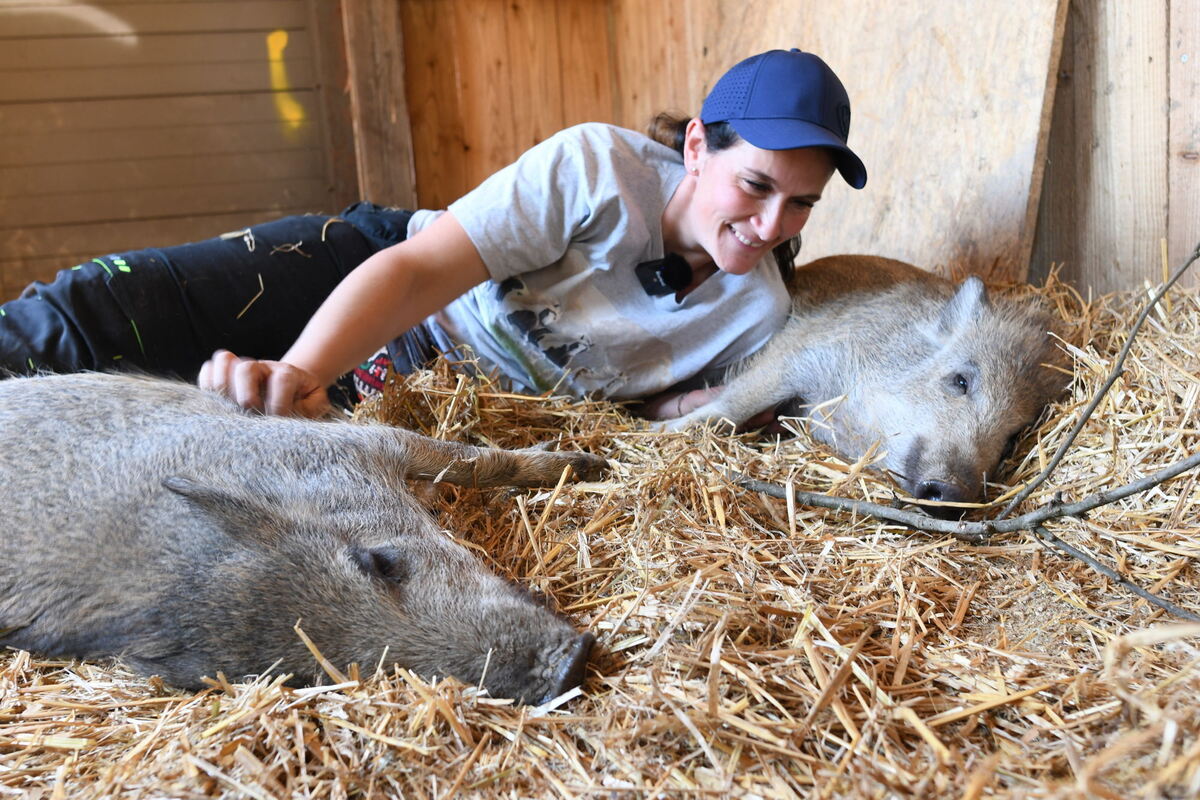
165,310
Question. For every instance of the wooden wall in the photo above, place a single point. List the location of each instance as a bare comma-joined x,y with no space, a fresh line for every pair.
950,124
1123,172
154,133
127,124
486,80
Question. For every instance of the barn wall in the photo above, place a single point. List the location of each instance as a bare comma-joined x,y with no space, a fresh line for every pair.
128,124
1123,172
486,80
170,128
953,102
954,178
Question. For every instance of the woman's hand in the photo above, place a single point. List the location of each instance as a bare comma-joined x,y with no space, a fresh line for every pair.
273,387
672,405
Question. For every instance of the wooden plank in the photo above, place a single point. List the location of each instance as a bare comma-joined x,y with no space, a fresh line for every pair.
377,48
333,92
1113,185
1126,216
945,118
70,147
586,63
1056,241
60,248
196,200
135,20
655,48
1023,268
1183,165
109,237
149,113
141,81
484,72
434,102
486,80
65,53
535,78
132,175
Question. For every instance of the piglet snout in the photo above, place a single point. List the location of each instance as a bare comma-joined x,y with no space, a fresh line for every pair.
570,672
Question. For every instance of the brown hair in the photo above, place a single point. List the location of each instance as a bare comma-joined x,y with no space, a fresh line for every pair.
669,129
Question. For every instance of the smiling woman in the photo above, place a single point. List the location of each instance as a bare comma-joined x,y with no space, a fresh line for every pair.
545,272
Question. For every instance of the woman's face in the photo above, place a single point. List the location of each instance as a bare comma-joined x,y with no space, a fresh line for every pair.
748,200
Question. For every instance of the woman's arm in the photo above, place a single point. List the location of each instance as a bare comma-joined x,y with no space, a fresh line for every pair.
390,292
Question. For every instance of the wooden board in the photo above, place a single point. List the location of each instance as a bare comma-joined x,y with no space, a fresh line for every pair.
382,130
951,107
487,80
136,124
60,248
1183,147
949,122
1104,211
41,19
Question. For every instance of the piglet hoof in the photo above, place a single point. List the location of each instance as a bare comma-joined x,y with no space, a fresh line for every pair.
571,671
587,467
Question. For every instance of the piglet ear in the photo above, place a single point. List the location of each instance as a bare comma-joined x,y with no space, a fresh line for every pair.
383,561
238,515
968,303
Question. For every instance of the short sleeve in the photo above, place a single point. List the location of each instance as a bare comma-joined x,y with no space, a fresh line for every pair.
525,216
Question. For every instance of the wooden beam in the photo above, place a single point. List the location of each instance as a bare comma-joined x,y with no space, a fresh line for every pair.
382,131
1183,152
333,93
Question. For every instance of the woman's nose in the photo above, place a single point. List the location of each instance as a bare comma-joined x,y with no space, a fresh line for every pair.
768,222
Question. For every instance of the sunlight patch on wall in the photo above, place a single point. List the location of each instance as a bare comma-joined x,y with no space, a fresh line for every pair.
291,113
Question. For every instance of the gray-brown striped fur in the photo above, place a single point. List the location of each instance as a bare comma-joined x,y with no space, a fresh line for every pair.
148,520
892,342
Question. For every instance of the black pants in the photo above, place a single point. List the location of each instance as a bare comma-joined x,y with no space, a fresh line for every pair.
165,310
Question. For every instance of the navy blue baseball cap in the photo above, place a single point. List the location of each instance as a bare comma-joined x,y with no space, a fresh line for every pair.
785,99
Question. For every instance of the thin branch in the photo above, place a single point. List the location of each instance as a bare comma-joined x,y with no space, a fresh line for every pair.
973,532
1166,605
976,532
1116,372
1081,507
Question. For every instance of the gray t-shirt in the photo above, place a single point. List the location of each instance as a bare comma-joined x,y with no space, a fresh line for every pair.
560,231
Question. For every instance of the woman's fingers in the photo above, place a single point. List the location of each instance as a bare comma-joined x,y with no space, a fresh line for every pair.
291,390
273,387
690,401
248,381
214,374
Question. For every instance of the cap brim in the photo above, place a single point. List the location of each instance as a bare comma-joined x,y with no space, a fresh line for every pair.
790,134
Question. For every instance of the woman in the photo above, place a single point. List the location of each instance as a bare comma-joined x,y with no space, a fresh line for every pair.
600,263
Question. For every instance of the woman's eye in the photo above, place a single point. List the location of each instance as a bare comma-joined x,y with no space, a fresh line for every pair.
757,186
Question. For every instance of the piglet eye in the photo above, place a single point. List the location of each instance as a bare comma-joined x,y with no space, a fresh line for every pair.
1010,446
380,562
961,383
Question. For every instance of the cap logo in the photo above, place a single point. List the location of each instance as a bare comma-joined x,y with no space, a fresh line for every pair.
844,121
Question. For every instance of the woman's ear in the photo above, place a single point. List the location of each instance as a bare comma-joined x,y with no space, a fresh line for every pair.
694,147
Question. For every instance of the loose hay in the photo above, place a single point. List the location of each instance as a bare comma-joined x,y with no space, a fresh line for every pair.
747,646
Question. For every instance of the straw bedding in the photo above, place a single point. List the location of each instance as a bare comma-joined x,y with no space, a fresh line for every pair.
747,646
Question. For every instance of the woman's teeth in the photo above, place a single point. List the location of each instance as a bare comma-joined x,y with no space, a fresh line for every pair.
743,239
